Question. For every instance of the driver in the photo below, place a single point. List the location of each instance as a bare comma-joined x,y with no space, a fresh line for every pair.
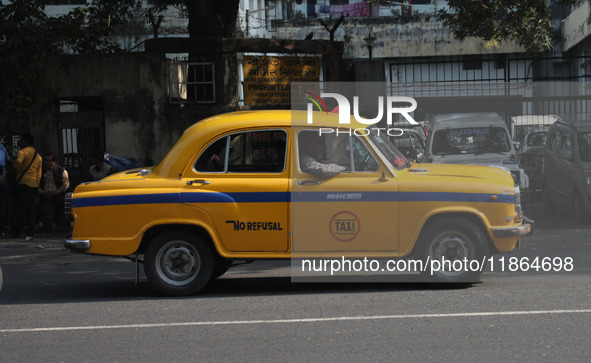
311,149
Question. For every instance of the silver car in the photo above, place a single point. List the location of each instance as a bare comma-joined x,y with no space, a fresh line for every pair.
411,144
476,138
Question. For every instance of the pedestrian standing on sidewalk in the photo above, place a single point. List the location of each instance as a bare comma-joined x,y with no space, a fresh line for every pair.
28,167
99,169
52,190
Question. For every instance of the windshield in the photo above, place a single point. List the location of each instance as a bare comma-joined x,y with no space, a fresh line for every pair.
585,146
536,139
471,140
387,148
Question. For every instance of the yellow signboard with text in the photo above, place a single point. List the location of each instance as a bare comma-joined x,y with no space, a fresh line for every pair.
267,80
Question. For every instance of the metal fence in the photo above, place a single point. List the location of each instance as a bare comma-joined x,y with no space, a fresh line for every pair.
549,86
510,85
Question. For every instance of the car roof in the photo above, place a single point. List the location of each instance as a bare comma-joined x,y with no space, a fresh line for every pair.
580,126
270,118
457,120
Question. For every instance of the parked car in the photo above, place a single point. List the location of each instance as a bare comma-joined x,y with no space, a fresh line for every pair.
248,186
530,157
524,124
566,170
410,144
421,129
479,139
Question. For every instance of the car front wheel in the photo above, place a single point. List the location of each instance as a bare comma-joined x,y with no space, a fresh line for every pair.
453,250
547,203
179,263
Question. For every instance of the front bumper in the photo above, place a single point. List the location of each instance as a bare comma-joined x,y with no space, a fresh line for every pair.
77,244
525,228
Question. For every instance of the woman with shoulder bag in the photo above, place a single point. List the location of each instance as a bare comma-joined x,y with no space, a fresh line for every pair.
28,169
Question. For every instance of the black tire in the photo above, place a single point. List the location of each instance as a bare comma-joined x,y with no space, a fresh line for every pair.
525,202
579,214
179,263
452,239
220,269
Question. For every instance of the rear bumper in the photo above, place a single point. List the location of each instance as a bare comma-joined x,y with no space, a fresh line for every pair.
77,245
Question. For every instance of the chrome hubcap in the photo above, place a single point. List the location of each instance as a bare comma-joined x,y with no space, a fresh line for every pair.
449,247
178,263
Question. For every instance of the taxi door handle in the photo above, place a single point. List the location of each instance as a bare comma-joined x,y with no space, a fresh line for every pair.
200,181
309,182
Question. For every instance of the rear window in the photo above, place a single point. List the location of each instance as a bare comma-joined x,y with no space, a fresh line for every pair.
246,152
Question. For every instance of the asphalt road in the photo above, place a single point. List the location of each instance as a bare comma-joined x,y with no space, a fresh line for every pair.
58,306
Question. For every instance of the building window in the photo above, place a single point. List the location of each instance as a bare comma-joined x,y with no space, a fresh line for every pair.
191,82
471,64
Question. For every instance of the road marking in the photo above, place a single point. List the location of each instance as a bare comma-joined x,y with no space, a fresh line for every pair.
292,321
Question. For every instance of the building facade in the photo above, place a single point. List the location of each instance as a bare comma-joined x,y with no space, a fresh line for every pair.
136,105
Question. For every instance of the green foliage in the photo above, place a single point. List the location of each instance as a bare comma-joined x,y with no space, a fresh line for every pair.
22,60
91,28
206,18
32,41
526,22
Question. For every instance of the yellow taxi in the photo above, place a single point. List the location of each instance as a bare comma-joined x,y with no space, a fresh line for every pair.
257,185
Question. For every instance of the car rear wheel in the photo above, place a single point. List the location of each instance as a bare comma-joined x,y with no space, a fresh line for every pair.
179,263
579,213
448,247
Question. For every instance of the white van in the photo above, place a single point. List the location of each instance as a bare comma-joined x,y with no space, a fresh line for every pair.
475,138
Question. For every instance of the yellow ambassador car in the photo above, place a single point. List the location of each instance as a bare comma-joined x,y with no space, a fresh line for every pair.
256,185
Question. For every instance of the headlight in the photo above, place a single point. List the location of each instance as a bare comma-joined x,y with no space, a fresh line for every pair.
588,177
518,208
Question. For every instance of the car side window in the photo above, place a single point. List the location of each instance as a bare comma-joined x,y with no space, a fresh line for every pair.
566,143
335,153
257,152
585,146
245,152
554,141
362,157
549,140
213,159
